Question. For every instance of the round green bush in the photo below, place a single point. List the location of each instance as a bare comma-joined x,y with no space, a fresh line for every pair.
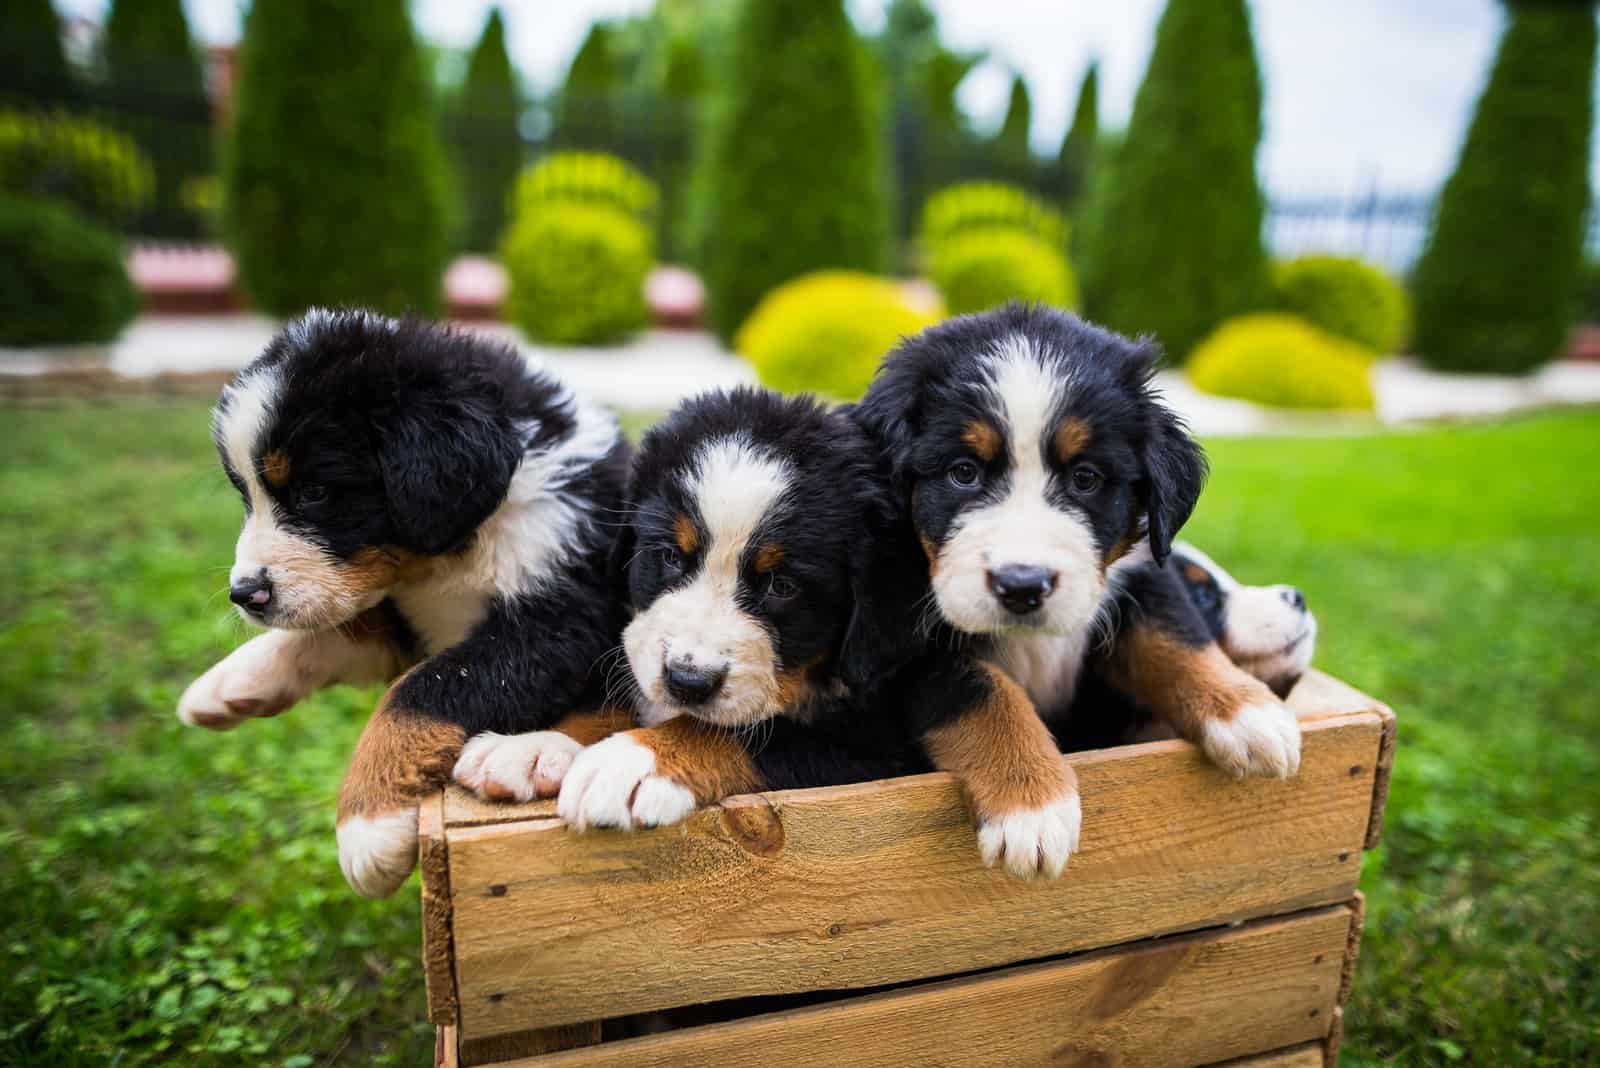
825,332
98,170
1282,361
588,178
62,279
983,268
960,209
1347,297
576,273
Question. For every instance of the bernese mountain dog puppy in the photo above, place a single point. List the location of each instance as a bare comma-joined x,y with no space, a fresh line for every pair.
1035,466
1267,631
423,504
753,522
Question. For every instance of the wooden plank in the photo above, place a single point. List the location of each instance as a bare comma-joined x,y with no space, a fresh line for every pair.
1188,1000
880,883
463,809
1380,786
1306,1056
1358,919
1319,695
499,1049
444,1048
1331,1044
438,946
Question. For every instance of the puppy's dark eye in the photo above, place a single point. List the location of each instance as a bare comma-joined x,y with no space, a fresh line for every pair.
311,493
781,587
1086,479
965,474
671,559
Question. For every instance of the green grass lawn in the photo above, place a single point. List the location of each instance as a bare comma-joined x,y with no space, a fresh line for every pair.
173,896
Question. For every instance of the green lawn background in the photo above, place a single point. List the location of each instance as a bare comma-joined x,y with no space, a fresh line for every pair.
173,896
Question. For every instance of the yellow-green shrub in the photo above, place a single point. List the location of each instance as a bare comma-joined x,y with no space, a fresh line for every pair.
825,332
62,157
587,178
970,206
982,268
1282,361
576,272
1346,297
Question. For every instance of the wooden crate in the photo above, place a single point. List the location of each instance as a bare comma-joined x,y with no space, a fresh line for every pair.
1204,920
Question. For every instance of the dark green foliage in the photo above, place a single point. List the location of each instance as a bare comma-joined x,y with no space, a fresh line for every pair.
1589,292
61,278
1175,247
794,179
1077,147
31,57
1495,286
589,109
486,136
335,187
153,71
1012,140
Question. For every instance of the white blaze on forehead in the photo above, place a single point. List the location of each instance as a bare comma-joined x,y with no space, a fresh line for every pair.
240,425
734,487
1027,394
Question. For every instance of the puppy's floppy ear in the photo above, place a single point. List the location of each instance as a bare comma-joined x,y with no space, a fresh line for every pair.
888,414
623,545
1174,473
447,457
888,581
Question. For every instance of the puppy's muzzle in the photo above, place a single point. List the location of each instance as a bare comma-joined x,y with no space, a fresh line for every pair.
693,684
1022,588
1293,598
253,594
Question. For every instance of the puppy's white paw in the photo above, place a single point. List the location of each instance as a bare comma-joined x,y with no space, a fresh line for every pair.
377,853
1033,841
1261,739
256,679
516,767
613,784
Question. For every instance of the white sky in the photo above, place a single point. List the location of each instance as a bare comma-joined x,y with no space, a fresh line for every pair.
1359,92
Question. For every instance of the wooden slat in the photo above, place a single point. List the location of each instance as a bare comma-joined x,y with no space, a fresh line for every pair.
438,947
1335,1038
880,883
1306,1056
1380,786
1193,999
463,809
1358,920
444,1048
499,1049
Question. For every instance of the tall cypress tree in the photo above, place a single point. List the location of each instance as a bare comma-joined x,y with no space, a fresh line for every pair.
1077,147
31,57
794,179
488,139
1012,140
1176,245
1495,287
156,82
334,186
588,113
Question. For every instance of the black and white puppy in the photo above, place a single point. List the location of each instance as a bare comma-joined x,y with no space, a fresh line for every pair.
1034,463
1268,631
751,517
420,501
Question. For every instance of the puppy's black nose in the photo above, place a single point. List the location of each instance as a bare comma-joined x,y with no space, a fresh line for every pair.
1020,588
252,594
1293,598
692,684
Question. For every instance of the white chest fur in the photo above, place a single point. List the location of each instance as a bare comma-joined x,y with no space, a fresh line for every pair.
1045,665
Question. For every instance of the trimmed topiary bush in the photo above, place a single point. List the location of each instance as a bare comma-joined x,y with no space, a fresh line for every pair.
587,178
484,126
99,171
334,187
577,274
1495,285
960,209
1011,141
1282,361
826,332
1077,147
1175,244
982,268
62,279
30,50
1589,293
1346,297
794,177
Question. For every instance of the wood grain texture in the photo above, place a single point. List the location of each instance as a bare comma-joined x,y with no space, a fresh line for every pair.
1380,786
497,1050
1335,1038
438,947
880,883
1193,999
1358,920
444,1048
1306,1056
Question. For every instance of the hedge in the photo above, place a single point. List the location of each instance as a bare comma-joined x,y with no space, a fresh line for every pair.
1346,297
1282,361
62,279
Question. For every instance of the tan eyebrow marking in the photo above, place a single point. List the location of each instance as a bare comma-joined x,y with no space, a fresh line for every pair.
685,534
1072,438
275,468
770,556
982,439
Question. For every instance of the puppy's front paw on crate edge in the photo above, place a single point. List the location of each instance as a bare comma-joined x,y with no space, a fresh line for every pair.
613,783
1262,738
1033,841
516,767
